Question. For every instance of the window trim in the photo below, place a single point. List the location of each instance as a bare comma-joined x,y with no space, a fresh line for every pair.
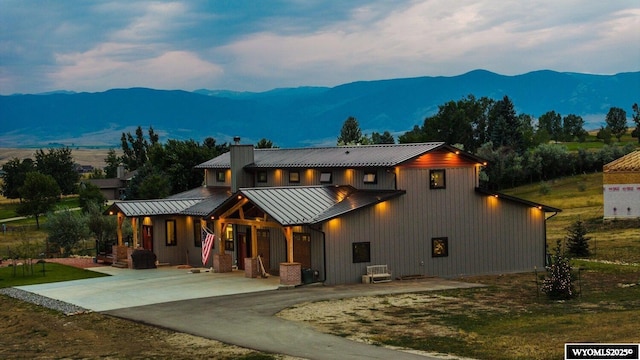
171,234
369,173
361,252
432,184
262,176
325,174
440,247
220,176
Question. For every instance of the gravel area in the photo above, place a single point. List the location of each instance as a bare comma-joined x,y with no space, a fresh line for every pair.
63,307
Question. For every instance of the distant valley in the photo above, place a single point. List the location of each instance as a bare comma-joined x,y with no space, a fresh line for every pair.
295,117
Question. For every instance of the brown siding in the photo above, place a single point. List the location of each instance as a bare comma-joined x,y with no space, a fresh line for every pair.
353,177
439,159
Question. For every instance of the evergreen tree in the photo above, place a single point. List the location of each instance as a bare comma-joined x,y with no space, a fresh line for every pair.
577,241
350,134
113,161
504,126
558,282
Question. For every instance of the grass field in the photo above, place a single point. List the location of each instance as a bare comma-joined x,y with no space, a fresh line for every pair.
24,273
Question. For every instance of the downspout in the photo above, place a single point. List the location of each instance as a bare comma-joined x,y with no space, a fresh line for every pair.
545,237
324,252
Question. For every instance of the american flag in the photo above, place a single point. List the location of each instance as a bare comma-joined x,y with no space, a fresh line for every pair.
208,239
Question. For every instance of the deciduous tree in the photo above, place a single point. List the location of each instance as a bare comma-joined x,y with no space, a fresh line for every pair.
38,195
617,122
15,172
60,165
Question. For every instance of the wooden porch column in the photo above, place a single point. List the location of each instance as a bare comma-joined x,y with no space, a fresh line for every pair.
119,230
134,227
254,242
288,234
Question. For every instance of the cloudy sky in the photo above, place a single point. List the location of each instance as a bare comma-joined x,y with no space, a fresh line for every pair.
260,45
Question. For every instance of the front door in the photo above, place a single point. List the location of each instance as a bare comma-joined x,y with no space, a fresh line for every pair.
302,249
242,250
147,237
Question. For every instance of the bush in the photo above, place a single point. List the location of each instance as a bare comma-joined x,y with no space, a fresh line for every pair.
558,282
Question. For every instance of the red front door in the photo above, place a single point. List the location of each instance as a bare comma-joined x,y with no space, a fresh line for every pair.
147,237
242,249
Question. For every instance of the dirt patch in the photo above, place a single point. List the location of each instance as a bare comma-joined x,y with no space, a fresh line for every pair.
31,332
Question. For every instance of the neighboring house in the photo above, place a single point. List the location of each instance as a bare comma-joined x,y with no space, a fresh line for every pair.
114,188
621,187
333,211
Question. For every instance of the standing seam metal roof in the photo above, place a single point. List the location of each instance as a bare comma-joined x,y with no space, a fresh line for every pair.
383,155
312,204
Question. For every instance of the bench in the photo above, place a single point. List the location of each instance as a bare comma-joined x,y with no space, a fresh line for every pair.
378,273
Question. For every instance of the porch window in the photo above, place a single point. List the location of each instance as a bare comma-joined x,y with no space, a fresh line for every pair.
437,179
325,177
294,176
361,252
197,234
370,177
262,176
220,176
440,247
170,229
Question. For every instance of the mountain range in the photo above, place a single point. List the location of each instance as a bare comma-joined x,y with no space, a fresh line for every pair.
293,117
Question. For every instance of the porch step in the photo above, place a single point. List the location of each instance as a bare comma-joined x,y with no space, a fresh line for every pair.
120,264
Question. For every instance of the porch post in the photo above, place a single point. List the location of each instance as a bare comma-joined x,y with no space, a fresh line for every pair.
134,227
288,233
254,242
119,230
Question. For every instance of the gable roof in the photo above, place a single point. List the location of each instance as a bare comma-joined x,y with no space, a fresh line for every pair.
629,162
356,156
305,205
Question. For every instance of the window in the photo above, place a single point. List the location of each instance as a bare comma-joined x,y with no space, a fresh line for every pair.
437,179
370,177
440,247
325,177
361,252
220,176
197,234
262,176
170,227
294,176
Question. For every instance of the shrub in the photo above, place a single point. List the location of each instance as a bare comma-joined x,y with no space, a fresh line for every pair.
558,282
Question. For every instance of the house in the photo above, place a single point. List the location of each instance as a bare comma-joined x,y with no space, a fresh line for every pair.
114,188
325,214
621,187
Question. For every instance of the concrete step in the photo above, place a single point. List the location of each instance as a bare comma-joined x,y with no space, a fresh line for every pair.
120,264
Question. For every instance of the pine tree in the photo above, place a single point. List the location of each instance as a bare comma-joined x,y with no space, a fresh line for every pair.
577,241
558,283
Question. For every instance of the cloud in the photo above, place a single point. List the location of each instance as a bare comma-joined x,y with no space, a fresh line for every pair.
119,66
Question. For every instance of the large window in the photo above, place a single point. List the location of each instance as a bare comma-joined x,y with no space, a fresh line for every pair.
437,179
325,177
197,234
361,252
171,233
220,176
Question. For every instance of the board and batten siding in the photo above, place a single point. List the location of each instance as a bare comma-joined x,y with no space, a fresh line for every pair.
184,252
339,176
485,234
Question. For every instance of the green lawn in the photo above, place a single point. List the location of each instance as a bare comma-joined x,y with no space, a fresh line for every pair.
29,275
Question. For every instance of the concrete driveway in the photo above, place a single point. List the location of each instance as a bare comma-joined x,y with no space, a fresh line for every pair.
231,308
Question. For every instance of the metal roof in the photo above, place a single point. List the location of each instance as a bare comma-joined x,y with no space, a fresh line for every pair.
518,200
300,205
194,202
382,155
134,208
629,162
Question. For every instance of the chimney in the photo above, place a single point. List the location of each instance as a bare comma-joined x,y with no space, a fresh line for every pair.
241,156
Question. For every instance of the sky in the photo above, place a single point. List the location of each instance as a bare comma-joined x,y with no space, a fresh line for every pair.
93,46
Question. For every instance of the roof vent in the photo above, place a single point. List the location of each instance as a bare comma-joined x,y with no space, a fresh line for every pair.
347,152
236,140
